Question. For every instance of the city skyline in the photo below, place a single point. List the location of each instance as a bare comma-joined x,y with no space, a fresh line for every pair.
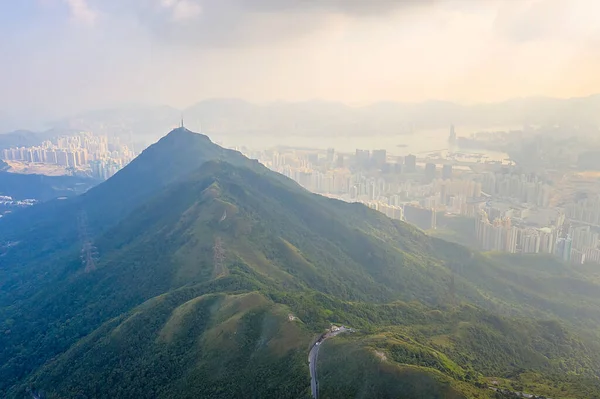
300,199
510,210
507,210
81,154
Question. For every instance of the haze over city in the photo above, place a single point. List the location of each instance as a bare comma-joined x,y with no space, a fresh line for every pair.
300,199
67,56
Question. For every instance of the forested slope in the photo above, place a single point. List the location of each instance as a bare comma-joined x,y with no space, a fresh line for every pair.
200,262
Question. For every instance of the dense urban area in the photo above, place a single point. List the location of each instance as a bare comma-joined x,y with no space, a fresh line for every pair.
463,192
295,199
83,154
547,207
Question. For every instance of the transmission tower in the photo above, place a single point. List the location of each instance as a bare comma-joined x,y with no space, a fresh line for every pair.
455,268
219,258
89,253
452,290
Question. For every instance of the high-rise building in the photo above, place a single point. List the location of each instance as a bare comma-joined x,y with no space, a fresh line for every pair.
330,155
584,237
354,192
62,158
567,249
410,162
430,170
498,236
530,242
447,172
577,257
423,218
510,240
452,138
592,255
379,157
362,157
51,157
72,159
372,190
548,238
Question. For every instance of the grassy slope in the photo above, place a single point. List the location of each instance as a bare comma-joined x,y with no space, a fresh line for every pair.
349,368
177,245
325,260
217,346
173,344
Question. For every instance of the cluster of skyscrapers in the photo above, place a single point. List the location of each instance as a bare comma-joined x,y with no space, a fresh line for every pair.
585,210
83,152
523,188
49,154
511,211
500,235
395,186
574,244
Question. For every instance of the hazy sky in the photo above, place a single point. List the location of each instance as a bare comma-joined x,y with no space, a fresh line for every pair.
65,55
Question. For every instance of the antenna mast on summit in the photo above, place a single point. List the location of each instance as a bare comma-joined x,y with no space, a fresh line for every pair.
182,126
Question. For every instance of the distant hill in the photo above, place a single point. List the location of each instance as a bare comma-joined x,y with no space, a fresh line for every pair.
336,119
26,138
22,138
318,118
136,122
200,256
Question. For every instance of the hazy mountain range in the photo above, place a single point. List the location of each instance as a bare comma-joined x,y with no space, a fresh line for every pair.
315,118
176,278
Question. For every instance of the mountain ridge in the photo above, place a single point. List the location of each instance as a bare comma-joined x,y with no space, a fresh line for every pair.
214,251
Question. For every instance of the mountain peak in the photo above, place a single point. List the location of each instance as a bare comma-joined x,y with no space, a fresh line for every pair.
173,157
183,132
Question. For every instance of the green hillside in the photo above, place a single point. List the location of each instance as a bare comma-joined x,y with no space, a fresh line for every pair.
201,258
217,346
49,234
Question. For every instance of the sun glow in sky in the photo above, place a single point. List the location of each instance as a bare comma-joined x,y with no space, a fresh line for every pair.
61,56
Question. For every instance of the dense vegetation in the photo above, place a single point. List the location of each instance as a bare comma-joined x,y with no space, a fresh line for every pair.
163,314
217,346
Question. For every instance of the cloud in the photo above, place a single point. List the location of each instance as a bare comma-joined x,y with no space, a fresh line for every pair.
351,7
183,10
535,20
81,12
180,51
242,23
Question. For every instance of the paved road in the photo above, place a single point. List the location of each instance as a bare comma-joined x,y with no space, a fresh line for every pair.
312,364
312,359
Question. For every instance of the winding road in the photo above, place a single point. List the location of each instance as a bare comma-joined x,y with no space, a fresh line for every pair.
313,355
312,365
